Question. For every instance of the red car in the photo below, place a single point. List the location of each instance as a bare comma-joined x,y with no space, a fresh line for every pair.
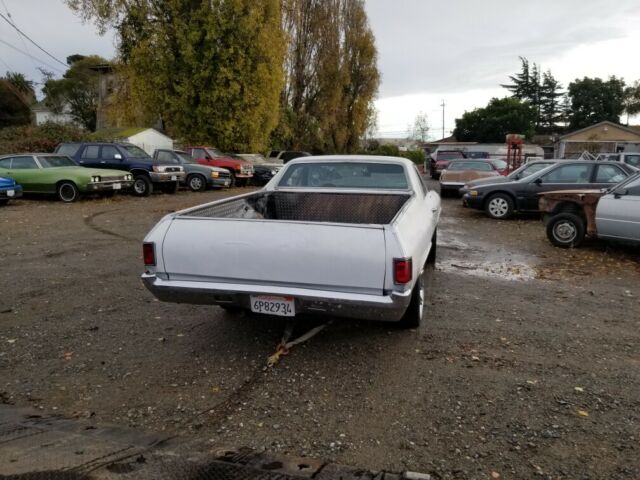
241,170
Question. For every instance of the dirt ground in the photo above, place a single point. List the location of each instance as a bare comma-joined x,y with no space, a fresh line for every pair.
527,365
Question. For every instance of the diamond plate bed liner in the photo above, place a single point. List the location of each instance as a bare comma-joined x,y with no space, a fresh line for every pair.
34,446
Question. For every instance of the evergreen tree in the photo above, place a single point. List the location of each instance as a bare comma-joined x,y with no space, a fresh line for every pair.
551,108
521,82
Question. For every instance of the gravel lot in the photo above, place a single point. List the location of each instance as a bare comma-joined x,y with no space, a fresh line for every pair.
527,365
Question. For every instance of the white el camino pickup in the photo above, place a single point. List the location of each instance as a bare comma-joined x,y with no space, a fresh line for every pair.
346,236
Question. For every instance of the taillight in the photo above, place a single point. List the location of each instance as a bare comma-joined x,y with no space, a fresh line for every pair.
149,253
402,270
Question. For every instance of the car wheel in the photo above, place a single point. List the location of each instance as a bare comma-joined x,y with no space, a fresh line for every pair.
412,318
196,183
67,192
142,186
499,206
232,179
171,187
566,230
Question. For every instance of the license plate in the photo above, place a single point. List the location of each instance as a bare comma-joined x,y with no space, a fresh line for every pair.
280,306
117,186
174,177
10,193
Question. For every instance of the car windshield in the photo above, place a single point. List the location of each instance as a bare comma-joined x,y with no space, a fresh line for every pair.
499,163
541,172
214,152
56,161
136,152
624,182
185,157
346,175
530,169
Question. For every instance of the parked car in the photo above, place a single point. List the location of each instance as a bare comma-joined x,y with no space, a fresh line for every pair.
9,190
60,175
524,171
147,173
501,166
632,159
612,214
441,160
477,155
347,236
263,169
240,171
197,177
285,156
502,200
460,172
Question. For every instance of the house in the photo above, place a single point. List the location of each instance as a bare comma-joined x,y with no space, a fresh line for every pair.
148,139
603,137
44,114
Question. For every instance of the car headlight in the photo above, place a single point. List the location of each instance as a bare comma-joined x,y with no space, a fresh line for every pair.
95,179
473,193
128,177
215,174
273,172
159,168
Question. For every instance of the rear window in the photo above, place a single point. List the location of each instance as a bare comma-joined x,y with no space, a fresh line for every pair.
449,155
346,175
475,166
68,149
499,164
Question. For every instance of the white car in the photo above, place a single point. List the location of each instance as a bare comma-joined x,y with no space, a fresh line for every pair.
347,236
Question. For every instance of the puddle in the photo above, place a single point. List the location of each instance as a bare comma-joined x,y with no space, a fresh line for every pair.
501,270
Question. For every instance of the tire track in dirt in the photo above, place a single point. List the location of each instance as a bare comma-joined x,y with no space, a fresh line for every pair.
90,222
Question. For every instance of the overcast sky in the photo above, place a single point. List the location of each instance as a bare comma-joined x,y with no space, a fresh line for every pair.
458,51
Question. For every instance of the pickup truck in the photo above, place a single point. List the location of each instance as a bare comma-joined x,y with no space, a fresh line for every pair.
609,214
240,171
347,236
147,173
285,156
198,177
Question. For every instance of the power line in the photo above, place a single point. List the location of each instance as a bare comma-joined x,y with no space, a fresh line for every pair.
24,44
29,38
31,56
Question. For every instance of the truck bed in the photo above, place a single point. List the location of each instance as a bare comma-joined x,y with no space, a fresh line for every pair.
330,207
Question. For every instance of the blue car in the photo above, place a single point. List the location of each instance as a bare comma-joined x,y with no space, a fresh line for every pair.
9,189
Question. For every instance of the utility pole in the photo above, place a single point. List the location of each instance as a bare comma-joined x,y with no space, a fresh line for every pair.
443,105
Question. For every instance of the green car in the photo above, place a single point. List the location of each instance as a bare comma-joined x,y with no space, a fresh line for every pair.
60,175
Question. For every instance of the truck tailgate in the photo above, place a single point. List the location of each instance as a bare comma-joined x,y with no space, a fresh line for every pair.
307,255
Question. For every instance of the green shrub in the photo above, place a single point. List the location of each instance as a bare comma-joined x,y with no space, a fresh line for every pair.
41,138
416,156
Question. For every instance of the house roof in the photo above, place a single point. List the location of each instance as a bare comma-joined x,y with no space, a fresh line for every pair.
121,133
633,130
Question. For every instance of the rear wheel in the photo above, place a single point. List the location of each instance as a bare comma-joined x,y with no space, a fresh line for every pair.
232,178
142,186
196,183
499,206
566,230
412,318
67,192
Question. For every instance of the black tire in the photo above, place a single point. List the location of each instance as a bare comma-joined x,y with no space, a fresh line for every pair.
499,206
232,179
412,318
142,186
170,187
3,202
431,259
566,230
196,183
67,192
242,182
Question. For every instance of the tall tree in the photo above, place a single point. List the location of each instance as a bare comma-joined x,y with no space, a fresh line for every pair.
14,109
550,105
593,100
420,128
331,76
212,70
632,99
22,85
521,82
494,122
77,90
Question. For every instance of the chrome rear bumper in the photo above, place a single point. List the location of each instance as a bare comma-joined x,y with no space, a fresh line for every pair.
385,308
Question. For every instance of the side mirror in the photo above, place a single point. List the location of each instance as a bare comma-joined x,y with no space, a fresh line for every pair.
117,156
620,192
538,181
